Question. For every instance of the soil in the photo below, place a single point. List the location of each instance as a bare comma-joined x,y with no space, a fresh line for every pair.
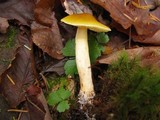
101,109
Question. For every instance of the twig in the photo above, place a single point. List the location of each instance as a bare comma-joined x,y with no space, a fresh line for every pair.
10,79
19,116
17,110
45,80
133,20
27,47
35,105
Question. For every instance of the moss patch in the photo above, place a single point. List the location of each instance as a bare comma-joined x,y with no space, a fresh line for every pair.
136,94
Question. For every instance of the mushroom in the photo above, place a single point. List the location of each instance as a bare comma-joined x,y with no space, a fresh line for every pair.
84,21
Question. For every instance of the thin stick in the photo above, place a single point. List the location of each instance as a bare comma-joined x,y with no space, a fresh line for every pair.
133,20
10,79
27,47
19,116
34,105
17,110
45,80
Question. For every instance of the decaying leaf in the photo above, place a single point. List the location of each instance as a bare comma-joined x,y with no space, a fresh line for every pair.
148,55
43,12
4,114
45,30
155,39
36,105
74,6
143,15
20,10
19,75
48,39
55,67
3,25
116,43
8,46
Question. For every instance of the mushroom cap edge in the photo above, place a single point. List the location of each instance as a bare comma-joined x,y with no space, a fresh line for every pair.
85,20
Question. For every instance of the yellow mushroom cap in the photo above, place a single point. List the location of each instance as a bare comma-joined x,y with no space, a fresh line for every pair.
85,20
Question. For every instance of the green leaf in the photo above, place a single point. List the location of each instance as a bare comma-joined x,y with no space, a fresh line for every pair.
94,49
64,94
102,38
69,49
62,106
54,98
102,48
70,67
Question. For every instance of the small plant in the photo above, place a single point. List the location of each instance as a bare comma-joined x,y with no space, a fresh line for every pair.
96,47
137,89
60,96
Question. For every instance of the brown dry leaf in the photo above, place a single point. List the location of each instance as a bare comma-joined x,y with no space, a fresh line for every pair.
117,42
75,6
36,105
155,39
45,30
21,10
8,47
43,12
144,15
19,75
4,114
48,39
55,67
148,55
3,25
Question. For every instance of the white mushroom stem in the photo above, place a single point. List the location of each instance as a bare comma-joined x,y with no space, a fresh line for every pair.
86,93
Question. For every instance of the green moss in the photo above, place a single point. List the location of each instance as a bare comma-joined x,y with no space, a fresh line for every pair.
137,90
11,36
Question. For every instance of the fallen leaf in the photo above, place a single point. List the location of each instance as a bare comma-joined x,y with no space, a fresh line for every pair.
45,30
20,10
55,67
73,7
4,106
67,31
19,75
3,25
147,55
36,105
43,12
116,42
144,18
154,39
8,46
48,39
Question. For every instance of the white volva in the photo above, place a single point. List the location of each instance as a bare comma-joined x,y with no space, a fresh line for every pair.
86,93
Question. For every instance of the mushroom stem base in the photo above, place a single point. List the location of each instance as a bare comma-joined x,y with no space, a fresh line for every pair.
85,97
86,93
